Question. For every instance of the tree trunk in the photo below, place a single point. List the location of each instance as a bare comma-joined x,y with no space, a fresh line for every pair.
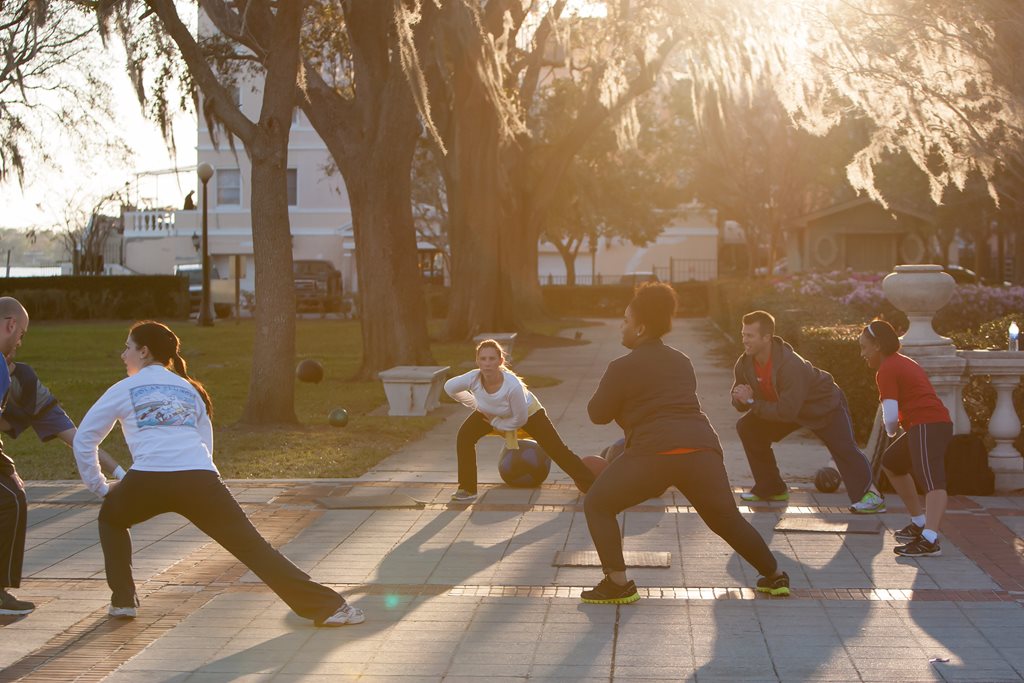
271,396
482,240
527,295
372,138
272,378
392,305
481,245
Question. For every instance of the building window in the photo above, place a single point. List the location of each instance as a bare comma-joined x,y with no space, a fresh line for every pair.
229,187
293,187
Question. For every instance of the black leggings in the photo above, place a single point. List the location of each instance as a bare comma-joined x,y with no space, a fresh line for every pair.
700,476
202,498
539,427
13,523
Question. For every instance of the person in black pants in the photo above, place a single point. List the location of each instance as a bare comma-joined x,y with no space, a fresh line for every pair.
165,417
502,404
13,502
779,391
651,393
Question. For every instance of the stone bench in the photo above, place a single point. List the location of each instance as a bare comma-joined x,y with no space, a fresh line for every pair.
413,389
506,339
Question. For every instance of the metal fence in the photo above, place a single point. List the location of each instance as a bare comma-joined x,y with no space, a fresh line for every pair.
678,270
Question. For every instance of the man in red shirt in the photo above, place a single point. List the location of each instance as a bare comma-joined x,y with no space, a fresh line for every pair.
780,391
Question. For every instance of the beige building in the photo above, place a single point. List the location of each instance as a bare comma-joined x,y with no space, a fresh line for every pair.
156,241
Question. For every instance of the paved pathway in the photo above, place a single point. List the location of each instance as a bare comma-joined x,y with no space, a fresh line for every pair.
469,592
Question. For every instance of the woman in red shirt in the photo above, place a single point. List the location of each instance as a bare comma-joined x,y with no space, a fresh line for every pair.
908,398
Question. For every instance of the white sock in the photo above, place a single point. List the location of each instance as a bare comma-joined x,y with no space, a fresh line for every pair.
918,520
930,535
119,472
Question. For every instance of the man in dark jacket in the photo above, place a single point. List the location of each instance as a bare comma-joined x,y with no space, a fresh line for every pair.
779,392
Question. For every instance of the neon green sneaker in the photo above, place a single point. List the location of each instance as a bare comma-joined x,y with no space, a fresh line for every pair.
870,504
751,497
610,593
777,586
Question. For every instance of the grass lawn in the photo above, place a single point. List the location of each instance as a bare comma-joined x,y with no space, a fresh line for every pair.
79,361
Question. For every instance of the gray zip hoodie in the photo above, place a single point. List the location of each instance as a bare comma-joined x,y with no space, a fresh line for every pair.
807,395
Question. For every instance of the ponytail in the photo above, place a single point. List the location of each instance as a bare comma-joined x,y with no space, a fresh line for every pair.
179,366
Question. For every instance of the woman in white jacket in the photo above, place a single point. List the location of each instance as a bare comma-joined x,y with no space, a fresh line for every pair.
165,417
501,403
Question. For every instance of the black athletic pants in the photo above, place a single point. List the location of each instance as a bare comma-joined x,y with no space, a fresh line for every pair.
700,476
202,498
758,435
13,523
539,427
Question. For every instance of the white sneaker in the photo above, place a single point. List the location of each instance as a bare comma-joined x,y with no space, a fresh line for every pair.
463,496
346,614
122,612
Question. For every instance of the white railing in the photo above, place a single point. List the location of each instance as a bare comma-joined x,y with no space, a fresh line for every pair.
1004,370
154,223
920,291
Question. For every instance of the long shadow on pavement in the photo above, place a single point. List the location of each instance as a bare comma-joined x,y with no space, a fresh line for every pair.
416,650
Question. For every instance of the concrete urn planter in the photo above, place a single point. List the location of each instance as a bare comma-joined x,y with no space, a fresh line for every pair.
920,291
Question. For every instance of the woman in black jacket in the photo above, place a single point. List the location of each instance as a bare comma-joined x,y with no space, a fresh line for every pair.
651,393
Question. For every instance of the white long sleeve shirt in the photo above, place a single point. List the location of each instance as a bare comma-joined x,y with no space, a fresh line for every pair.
164,422
509,407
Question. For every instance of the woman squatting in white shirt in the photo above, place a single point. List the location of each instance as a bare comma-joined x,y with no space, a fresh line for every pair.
501,402
165,418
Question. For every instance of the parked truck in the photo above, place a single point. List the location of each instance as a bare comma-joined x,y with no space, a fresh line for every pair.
222,292
317,286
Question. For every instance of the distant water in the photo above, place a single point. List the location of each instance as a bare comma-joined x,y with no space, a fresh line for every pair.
30,271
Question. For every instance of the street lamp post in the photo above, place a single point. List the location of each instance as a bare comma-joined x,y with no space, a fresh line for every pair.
205,172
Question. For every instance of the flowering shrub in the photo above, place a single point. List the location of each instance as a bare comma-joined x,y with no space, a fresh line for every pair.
975,305
861,298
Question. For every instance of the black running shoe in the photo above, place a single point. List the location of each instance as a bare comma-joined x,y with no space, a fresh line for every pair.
777,586
919,547
910,532
12,605
610,593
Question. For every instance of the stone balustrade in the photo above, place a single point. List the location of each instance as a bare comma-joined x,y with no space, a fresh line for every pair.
1004,370
920,291
154,223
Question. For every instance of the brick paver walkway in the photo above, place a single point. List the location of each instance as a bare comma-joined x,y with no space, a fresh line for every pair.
469,592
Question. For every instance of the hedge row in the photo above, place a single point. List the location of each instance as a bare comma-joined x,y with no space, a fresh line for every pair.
107,296
834,348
